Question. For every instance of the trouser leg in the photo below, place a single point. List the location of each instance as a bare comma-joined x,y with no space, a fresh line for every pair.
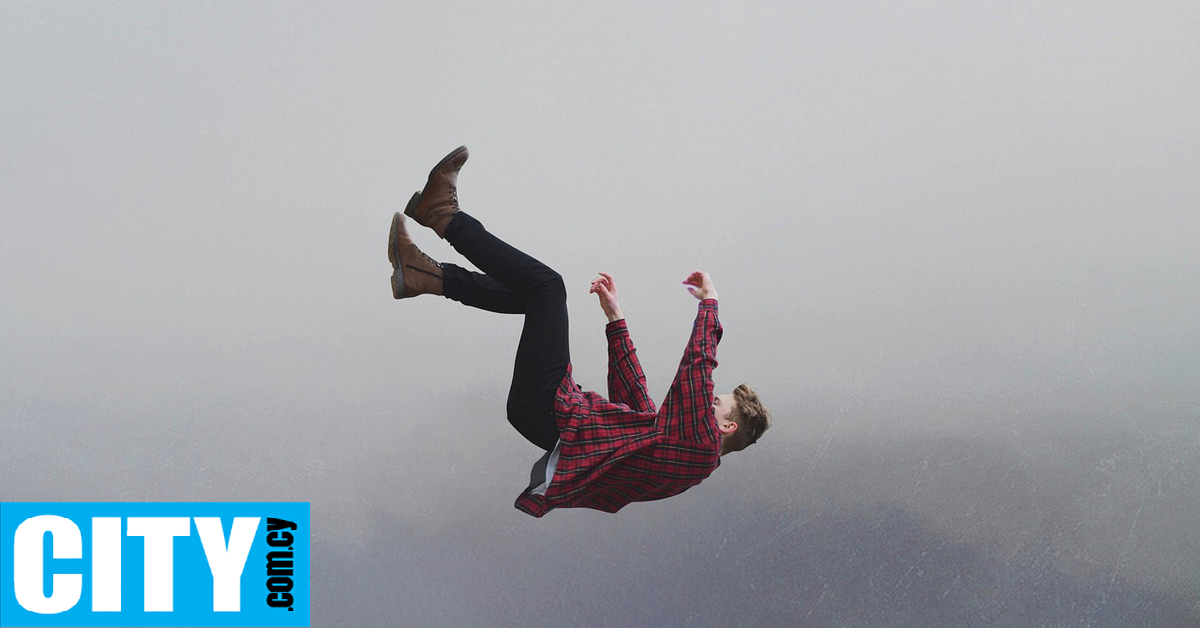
480,291
517,283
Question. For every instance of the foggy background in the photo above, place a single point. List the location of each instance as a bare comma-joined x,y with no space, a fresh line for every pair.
956,246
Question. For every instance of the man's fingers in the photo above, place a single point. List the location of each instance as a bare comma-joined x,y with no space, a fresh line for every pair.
608,280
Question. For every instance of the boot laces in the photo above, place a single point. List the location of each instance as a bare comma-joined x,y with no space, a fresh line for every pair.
428,259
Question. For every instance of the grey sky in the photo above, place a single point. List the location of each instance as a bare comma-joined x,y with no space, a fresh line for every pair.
956,246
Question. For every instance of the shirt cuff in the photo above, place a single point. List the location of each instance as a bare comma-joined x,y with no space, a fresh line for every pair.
616,327
709,303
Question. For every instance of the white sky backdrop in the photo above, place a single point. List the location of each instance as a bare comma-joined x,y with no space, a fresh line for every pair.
956,246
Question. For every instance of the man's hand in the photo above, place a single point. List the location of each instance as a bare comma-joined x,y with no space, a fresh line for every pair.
605,288
700,285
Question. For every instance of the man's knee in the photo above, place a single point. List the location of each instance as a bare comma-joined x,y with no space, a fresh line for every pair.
517,411
548,286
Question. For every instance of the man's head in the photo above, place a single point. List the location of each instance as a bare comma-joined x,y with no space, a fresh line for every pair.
741,418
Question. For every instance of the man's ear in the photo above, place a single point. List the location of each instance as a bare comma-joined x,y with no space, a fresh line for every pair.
727,428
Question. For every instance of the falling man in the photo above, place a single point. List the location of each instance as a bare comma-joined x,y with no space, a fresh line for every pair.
601,453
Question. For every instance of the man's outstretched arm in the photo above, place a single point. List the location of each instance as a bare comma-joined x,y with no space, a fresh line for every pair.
687,410
626,381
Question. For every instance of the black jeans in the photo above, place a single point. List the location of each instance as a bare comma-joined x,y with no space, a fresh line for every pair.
515,283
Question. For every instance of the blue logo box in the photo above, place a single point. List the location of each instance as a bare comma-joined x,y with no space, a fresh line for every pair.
154,564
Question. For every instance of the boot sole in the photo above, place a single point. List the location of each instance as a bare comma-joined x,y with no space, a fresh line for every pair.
398,283
394,258
410,211
394,234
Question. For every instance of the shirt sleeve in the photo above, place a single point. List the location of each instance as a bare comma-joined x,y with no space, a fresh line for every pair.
687,411
626,381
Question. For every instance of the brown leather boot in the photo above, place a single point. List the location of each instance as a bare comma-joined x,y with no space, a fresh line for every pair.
415,272
439,199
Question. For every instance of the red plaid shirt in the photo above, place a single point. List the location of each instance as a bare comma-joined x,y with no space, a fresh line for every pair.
622,449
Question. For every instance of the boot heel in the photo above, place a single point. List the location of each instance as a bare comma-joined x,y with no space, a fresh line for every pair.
411,209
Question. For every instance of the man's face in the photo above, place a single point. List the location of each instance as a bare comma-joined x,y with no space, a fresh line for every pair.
723,408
